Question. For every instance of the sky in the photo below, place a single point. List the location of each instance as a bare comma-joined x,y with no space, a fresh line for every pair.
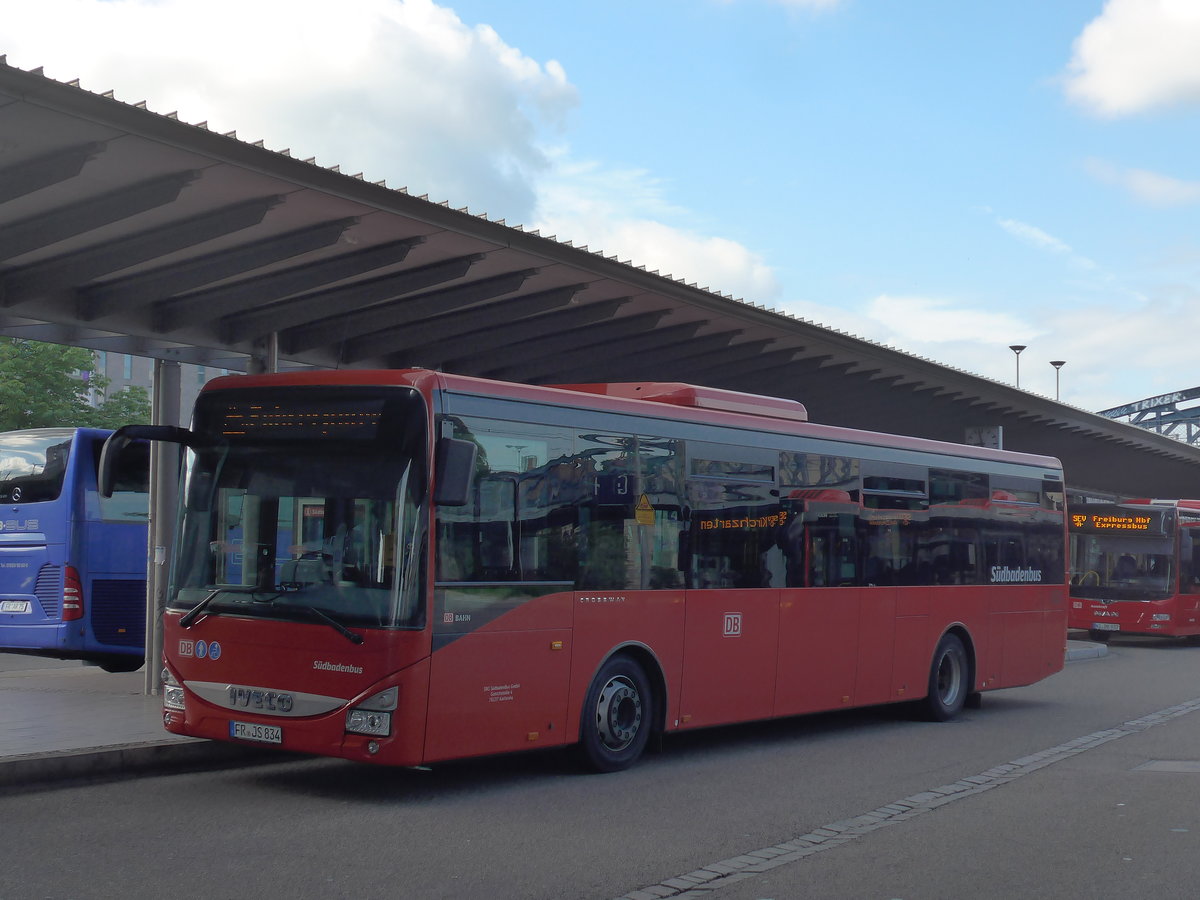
944,178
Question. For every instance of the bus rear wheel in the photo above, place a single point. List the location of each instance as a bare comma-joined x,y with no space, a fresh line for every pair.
948,677
617,716
120,663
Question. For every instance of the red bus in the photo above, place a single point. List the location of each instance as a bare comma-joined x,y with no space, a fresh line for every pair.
1135,567
405,567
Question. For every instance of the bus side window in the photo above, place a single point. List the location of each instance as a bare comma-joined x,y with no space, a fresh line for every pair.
1189,562
130,500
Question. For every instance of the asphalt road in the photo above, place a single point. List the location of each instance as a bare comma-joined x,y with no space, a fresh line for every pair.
19,662
1044,792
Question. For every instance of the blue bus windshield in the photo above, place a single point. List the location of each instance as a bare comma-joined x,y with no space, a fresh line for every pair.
33,464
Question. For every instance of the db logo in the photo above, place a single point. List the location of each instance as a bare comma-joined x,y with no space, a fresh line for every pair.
448,618
733,624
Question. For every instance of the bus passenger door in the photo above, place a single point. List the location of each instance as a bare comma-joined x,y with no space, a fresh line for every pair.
731,640
818,649
820,610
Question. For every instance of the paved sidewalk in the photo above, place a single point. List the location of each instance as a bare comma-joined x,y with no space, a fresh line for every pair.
67,720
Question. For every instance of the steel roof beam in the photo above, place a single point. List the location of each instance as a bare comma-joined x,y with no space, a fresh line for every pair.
344,326
594,338
70,221
300,312
35,282
181,312
757,367
707,350
517,334
567,361
44,171
437,335
168,281
486,315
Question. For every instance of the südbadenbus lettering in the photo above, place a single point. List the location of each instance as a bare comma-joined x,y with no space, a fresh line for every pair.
1005,575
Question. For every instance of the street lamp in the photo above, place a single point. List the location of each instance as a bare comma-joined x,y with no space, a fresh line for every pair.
1058,364
1017,348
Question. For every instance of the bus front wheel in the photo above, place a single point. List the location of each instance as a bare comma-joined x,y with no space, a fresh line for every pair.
948,676
617,716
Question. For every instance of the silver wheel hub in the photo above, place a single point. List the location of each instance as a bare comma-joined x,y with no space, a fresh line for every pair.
949,678
618,713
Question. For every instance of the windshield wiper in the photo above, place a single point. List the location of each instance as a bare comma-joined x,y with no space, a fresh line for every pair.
186,620
329,620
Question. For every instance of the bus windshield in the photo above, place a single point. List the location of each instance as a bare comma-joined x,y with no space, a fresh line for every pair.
1122,567
33,464
313,512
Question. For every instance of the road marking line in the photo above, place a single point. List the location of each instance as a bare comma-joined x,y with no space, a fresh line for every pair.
714,876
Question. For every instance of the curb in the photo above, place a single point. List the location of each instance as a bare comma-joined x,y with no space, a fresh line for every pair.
1085,650
38,770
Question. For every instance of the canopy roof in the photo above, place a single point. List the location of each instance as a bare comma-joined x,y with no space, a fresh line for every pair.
125,230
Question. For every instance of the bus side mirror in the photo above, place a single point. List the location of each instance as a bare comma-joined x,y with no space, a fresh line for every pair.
110,453
454,470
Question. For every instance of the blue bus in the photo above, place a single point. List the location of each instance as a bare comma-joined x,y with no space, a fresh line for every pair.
72,563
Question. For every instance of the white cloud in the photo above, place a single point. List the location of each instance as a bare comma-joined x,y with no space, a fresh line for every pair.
1147,187
1137,55
809,4
1097,376
1036,237
817,5
626,213
1031,234
956,334
401,90
396,89
923,321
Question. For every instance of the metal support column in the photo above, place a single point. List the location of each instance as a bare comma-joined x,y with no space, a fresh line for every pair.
265,358
164,494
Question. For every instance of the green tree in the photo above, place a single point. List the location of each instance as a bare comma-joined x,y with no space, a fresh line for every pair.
40,386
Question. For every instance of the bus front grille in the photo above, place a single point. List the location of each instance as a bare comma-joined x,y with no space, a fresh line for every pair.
118,611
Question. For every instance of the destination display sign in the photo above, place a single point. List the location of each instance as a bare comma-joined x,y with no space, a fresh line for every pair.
291,414
1113,519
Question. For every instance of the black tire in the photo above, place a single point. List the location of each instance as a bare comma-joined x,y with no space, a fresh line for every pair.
120,664
949,680
618,715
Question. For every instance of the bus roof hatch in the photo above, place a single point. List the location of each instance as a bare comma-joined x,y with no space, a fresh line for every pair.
698,397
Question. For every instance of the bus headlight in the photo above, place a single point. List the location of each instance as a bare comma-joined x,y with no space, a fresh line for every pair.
374,715
1160,617
172,691
367,721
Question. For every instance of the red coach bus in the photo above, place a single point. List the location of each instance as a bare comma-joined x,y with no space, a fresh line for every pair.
404,567
1135,568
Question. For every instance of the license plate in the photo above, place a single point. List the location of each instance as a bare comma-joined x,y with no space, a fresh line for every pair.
1105,626
14,606
252,731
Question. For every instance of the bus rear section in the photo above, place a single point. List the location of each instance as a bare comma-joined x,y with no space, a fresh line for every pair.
72,564
1135,568
405,567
